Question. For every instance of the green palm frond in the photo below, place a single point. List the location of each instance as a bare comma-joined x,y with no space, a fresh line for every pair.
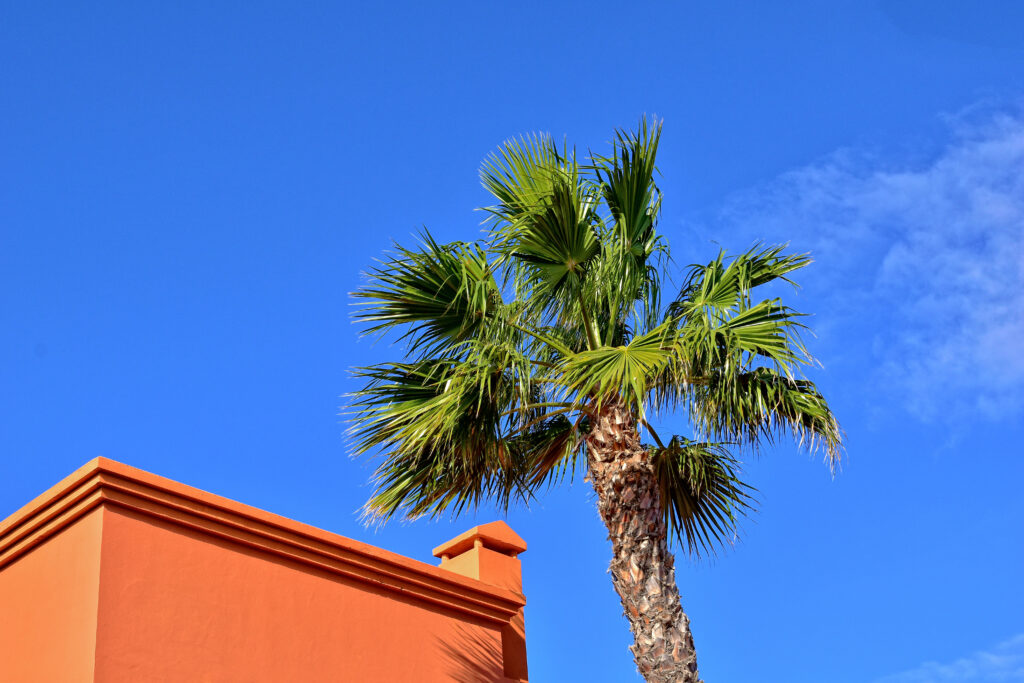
759,404
520,175
764,331
624,373
630,285
701,494
440,294
724,287
544,228
549,448
764,265
716,348
723,331
767,331
477,424
438,426
629,188
557,242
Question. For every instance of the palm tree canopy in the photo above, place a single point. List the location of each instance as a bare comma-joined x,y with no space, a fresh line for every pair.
515,341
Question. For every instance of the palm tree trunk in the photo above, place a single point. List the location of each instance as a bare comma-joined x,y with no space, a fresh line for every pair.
628,499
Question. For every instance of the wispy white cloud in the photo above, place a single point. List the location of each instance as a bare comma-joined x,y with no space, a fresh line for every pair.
1003,663
924,258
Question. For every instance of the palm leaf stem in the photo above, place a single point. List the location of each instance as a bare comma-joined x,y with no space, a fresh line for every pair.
613,320
653,433
556,345
542,418
593,338
550,404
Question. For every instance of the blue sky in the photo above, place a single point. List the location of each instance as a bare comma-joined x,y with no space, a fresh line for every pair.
189,191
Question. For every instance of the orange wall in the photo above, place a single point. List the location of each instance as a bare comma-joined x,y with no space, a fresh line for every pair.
48,607
174,605
118,575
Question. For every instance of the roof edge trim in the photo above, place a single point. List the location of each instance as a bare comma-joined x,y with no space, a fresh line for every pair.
117,486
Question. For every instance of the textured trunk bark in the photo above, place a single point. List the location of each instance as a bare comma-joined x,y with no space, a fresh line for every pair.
642,568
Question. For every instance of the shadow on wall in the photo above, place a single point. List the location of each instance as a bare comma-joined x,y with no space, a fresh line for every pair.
471,658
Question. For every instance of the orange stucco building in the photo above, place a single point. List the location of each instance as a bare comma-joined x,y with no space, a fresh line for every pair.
116,574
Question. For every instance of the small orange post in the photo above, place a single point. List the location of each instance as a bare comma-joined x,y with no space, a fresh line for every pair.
489,553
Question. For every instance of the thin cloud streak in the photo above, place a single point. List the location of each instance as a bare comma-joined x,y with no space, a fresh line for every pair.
1003,663
926,260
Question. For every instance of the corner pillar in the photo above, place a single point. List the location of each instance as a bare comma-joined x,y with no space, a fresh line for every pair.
490,553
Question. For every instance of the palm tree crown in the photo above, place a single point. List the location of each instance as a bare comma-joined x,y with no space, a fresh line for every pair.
516,342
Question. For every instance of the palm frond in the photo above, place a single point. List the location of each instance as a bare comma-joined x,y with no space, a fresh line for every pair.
438,434
621,372
440,294
766,264
758,405
520,174
727,287
767,331
557,240
724,331
712,348
628,283
628,185
701,494
549,448
478,424
544,230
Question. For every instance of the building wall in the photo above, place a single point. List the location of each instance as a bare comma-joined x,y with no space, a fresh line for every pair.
48,607
117,575
176,604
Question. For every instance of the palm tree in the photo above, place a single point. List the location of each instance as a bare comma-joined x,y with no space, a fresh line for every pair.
547,347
